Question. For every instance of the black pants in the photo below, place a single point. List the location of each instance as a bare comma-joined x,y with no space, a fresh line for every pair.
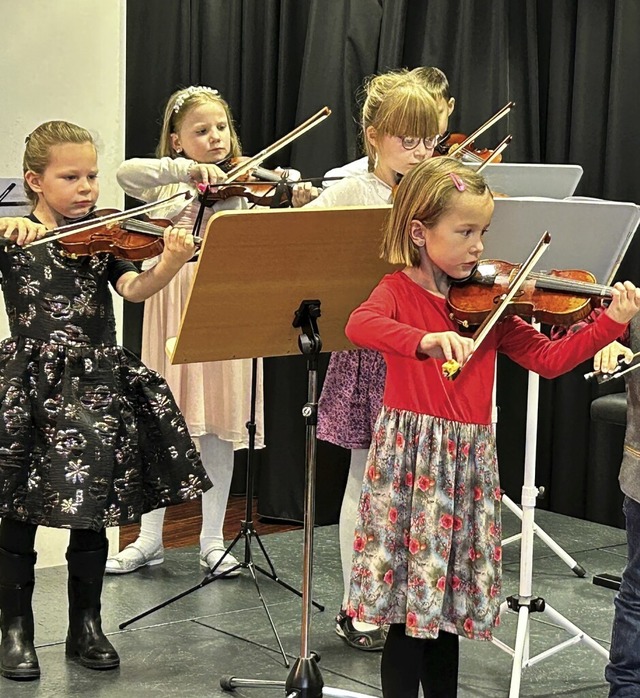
18,538
408,662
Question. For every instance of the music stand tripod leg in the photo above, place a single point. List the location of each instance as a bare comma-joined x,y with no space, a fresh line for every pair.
575,566
524,603
305,679
247,532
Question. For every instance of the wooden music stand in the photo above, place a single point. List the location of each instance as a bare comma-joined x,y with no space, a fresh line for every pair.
256,266
256,270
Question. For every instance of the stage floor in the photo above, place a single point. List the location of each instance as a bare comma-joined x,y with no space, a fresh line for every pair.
222,629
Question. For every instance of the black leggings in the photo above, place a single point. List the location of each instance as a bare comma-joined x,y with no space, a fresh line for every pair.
18,538
408,662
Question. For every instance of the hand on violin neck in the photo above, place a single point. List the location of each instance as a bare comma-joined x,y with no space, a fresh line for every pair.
179,248
447,346
625,303
303,193
21,231
203,173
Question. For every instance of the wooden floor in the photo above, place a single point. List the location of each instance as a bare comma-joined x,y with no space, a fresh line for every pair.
183,522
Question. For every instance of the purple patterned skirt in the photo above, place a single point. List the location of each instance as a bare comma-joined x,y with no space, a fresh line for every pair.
351,398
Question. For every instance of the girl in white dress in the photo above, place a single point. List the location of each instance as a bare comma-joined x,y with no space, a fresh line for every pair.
197,133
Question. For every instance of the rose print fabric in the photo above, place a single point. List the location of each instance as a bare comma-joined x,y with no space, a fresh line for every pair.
89,437
427,544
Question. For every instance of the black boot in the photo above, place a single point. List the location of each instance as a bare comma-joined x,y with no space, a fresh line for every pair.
18,658
86,643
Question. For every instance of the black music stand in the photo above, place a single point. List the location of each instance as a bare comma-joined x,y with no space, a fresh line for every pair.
236,309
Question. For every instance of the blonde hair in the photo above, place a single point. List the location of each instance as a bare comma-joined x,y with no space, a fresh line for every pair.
434,81
425,194
397,105
179,105
39,142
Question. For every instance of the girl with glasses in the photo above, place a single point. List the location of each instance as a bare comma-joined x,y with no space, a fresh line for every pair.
397,111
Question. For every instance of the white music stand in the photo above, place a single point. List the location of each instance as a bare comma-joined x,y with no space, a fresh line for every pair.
586,234
531,179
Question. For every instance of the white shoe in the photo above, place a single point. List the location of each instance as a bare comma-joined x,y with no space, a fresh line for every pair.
132,558
210,558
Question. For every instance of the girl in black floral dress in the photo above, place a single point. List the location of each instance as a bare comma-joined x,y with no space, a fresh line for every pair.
89,437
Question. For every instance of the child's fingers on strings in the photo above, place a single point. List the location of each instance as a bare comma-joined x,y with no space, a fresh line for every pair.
625,301
21,230
206,174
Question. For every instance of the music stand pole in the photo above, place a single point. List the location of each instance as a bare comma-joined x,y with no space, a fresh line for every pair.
305,679
525,603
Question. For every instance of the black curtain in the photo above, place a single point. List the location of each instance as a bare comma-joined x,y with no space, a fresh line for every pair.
572,69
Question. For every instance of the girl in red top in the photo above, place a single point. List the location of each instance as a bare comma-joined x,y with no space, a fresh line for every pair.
427,546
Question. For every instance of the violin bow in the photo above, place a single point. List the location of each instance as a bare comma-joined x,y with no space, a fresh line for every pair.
257,159
84,225
504,143
451,369
487,125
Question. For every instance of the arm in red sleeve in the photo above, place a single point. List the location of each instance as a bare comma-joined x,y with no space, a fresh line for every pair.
558,331
372,325
550,358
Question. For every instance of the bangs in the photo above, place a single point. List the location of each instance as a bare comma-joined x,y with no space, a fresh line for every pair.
408,112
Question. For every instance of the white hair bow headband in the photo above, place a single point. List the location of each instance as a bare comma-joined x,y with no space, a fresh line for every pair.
189,92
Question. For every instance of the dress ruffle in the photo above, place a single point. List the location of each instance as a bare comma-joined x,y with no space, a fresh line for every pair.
89,437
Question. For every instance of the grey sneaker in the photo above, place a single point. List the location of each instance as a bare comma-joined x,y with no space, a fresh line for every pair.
132,558
209,559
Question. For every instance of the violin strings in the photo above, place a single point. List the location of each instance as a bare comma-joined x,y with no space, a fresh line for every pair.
561,284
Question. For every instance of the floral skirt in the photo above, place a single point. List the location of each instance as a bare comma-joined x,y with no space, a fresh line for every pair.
427,543
89,437
351,398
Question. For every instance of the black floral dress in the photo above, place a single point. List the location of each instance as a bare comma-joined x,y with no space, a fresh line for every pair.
89,436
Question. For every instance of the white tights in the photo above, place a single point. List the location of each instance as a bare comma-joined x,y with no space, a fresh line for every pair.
217,458
349,514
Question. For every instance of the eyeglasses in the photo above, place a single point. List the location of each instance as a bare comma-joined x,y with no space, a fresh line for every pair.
412,142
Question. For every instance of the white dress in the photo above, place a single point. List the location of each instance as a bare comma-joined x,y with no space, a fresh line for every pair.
214,396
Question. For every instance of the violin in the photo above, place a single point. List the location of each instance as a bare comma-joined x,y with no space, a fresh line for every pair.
451,141
134,240
558,297
116,232
260,193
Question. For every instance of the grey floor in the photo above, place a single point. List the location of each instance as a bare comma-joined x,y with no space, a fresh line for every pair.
222,629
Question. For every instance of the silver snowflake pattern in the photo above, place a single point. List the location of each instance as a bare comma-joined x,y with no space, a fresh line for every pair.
112,516
68,506
72,410
173,452
76,471
29,286
190,489
163,405
85,306
47,273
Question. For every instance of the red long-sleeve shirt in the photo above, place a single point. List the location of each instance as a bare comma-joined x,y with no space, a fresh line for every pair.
399,312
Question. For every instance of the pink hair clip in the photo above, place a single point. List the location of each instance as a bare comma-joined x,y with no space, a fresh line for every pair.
460,185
